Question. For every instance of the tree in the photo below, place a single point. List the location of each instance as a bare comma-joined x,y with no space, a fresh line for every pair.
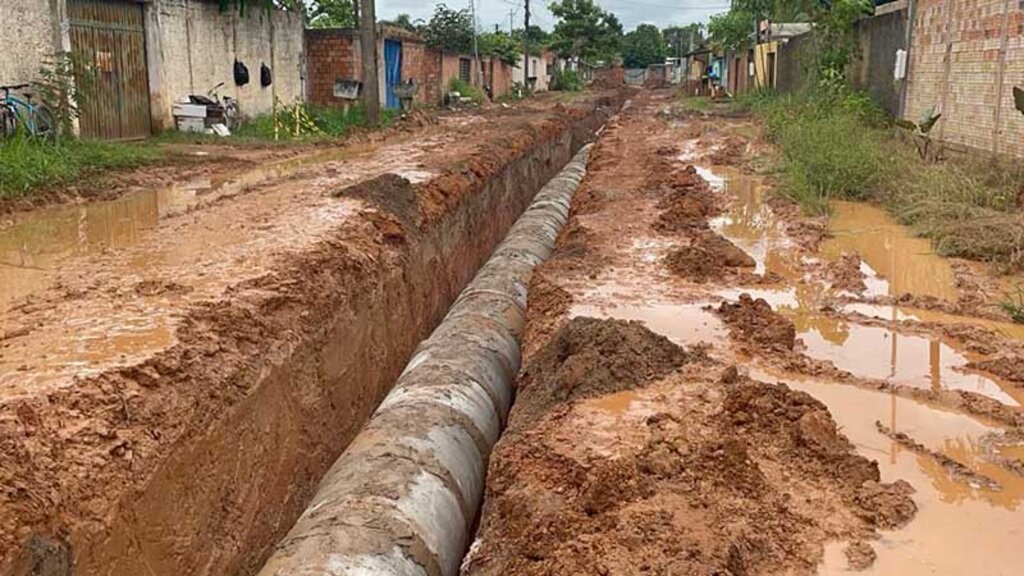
403,21
502,46
332,13
680,39
539,39
733,30
643,47
449,30
584,31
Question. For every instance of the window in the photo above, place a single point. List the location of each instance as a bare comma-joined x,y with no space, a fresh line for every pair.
465,67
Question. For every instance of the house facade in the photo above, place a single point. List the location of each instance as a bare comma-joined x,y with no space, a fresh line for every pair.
146,55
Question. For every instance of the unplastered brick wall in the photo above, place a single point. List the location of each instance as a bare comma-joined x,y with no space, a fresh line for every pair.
966,57
335,54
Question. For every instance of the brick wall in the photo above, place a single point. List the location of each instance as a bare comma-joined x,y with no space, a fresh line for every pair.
332,54
966,56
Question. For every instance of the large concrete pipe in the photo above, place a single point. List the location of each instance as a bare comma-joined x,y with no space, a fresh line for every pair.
403,498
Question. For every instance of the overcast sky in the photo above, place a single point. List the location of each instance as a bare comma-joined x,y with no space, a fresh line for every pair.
661,12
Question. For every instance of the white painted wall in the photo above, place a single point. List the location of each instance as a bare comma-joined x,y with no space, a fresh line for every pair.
192,46
30,36
538,68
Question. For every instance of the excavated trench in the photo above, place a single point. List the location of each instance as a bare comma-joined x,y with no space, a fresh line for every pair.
210,449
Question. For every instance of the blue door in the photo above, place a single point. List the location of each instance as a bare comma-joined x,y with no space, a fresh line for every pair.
392,71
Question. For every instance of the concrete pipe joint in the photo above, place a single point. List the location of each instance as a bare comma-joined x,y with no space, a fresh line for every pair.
403,498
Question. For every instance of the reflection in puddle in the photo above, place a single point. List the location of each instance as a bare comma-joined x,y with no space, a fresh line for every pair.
956,524
618,403
883,354
868,352
684,324
908,264
32,248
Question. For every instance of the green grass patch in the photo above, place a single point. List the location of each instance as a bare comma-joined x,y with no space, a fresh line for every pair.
566,81
28,163
466,90
329,123
695,103
842,147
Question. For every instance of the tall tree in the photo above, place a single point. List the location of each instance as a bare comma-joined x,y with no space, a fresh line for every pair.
643,47
539,39
403,21
732,30
449,30
584,31
501,45
332,13
680,38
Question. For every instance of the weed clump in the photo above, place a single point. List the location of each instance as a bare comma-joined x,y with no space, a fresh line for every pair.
841,146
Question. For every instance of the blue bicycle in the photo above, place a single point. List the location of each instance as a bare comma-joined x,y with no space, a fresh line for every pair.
17,114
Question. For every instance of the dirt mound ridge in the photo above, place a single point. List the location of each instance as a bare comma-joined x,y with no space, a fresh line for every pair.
710,256
753,322
589,357
728,477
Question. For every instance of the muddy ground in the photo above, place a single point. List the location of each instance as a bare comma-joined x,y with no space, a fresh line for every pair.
178,367
715,384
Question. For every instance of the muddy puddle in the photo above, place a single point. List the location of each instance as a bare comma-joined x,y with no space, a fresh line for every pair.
33,245
961,525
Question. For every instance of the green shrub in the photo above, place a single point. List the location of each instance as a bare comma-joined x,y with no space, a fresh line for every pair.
567,81
466,90
330,122
27,163
842,146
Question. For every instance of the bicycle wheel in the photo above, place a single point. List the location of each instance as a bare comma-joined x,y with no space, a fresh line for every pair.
8,122
42,124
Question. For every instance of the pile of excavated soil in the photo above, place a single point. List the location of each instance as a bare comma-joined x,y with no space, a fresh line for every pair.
709,256
730,153
753,322
589,357
845,274
727,476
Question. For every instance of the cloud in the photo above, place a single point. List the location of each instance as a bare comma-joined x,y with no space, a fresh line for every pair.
661,12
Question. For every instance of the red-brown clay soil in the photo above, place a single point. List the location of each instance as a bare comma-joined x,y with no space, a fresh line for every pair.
168,404
708,463
725,476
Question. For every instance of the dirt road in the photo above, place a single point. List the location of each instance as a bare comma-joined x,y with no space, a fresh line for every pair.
178,367
714,384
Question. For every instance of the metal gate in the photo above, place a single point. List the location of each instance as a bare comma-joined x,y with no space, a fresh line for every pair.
111,35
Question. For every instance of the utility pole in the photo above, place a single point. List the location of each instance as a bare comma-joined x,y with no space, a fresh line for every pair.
476,46
526,48
368,45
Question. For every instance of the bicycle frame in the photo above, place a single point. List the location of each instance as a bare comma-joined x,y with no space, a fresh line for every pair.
24,112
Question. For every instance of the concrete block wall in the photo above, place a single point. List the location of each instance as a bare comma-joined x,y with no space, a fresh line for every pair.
966,56
192,46
31,35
